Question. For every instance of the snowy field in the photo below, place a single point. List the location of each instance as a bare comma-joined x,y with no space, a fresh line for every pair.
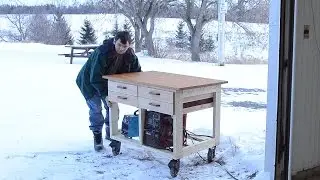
44,121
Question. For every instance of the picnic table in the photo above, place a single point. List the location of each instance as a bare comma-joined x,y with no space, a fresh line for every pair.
84,53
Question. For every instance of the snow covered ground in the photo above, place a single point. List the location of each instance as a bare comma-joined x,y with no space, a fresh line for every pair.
44,121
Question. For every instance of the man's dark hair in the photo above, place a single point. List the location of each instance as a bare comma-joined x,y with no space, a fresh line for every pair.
124,37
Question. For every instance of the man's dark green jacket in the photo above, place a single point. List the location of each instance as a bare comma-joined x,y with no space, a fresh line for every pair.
90,80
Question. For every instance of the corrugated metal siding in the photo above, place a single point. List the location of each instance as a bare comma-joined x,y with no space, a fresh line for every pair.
306,93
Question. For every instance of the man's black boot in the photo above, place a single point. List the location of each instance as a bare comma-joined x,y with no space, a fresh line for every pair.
98,142
116,146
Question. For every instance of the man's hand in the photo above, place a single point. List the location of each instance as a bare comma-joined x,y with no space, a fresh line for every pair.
114,109
109,103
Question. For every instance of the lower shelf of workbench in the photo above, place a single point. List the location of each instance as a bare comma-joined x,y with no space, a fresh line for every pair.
193,146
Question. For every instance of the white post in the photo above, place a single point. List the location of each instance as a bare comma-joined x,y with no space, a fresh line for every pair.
222,9
272,97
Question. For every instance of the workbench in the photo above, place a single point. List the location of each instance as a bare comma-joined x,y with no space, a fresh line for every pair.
171,94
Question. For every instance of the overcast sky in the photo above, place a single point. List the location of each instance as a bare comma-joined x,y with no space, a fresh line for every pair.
39,2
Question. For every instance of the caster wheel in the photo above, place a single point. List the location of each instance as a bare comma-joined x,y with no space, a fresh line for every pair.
174,166
115,146
211,154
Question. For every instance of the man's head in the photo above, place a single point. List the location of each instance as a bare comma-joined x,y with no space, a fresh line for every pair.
122,42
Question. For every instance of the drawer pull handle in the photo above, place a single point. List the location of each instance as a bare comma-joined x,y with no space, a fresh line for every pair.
121,97
155,105
154,93
121,87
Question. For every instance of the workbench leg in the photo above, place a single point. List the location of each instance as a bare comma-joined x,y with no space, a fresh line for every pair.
113,122
216,115
177,134
178,126
113,118
142,115
71,55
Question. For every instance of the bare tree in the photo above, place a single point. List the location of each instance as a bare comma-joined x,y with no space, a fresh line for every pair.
3,36
126,10
242,11
18,26
142,14
260,13
201,12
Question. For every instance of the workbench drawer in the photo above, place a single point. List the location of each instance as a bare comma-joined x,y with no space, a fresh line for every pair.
153,105
155,94
123,98
122,88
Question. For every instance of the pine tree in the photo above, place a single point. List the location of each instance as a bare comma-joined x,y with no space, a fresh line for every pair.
113,32
127,27
61,32
39,29
209,44
87,33
181,36
107,34
115,28
202,43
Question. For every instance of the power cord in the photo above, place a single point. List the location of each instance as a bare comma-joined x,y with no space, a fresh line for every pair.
192,138
191,133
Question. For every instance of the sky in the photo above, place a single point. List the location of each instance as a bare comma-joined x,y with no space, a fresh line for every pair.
39,2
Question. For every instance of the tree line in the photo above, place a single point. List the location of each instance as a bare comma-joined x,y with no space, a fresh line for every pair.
181,40
258,14
195,14
141,15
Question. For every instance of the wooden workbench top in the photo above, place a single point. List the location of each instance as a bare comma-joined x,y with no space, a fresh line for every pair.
164,80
